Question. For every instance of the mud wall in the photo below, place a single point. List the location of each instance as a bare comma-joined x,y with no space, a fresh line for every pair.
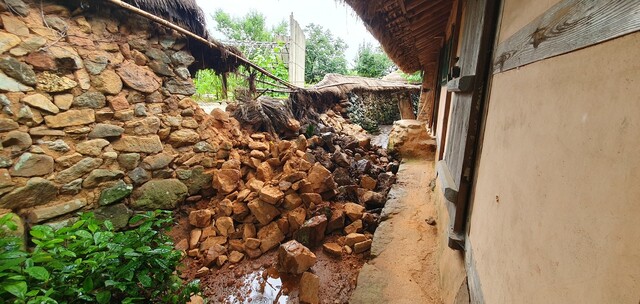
95,115
555,202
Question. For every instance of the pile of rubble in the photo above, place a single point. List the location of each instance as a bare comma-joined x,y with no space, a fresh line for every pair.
272,190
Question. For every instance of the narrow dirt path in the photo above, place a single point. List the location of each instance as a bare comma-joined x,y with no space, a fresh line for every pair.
403,268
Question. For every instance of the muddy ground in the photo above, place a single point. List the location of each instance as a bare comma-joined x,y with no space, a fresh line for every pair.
257,281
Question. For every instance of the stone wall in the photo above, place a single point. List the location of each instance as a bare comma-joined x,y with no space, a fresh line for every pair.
95,108
371,109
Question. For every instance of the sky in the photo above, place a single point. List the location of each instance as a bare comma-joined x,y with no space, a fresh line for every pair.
330,14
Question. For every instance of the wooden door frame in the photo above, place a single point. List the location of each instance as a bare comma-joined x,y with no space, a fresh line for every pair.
470,88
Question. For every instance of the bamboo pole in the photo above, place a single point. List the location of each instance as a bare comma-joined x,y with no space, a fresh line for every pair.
214,43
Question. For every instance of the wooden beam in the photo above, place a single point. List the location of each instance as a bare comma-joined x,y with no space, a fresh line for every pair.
568,26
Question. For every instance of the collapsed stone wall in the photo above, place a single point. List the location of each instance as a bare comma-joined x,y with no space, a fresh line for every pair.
95,108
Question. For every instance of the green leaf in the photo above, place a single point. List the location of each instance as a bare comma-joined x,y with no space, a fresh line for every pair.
84,234
93,227
18,289
103,297
145,280
87,286
38,273
38,234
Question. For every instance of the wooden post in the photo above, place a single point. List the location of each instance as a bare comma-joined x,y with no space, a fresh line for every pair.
428,96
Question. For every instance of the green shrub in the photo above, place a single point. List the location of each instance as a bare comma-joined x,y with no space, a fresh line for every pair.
90,262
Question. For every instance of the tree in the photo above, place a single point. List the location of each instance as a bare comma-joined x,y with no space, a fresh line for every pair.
372,62
253,28
325,54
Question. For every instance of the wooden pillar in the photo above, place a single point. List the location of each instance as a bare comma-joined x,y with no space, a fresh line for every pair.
428,95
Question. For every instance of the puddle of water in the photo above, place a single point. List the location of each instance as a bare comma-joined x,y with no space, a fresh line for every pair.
264,287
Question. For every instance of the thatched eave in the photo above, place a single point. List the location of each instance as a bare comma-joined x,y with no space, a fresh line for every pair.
410,31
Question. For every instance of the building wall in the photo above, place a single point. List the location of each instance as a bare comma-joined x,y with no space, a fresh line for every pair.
555,202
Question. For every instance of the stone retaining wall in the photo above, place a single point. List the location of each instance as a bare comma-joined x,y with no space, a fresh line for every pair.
94,109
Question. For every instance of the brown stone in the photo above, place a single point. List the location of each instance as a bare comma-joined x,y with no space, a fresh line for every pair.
309,288
92,147
226,180
200,218
312,231
138,144
368,182
119,103
42,214
353,238
270,236
235,257
194,237
41,102
353,227
362,246
271,195
213,253
70,118
107,82
225,226
264,172
336,221
52,83
252,243
139,78
64,101
318,178
333,249
292,201
264,212
29,165
294,258
353,211
296,218
183,137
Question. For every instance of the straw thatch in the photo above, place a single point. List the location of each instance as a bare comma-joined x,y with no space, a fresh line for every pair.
185,13
340,85
411,32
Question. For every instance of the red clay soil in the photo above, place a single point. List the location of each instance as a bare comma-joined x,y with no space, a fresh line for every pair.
257,281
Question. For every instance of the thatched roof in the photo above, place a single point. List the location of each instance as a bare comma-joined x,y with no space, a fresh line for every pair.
341,84
185,13
410,31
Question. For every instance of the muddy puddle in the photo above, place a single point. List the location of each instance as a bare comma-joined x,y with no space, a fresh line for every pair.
264,286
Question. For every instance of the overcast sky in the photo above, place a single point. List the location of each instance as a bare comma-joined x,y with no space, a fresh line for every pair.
335,16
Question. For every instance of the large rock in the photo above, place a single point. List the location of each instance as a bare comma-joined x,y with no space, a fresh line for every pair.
309,288
144,126
99,176
41,102
42,214
181,87
8,41
312,232
264,212
159,194
271,195
410,139
8,84
37,191
270,236
118,214
200,218
107,82
105,131
320,178
138,144
353,211
18,70
139,78
17,140
7,124
115,193
92,147
226,180
158,161
29,165
183,137
94,100
78,170
52,83
295,258
70,118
